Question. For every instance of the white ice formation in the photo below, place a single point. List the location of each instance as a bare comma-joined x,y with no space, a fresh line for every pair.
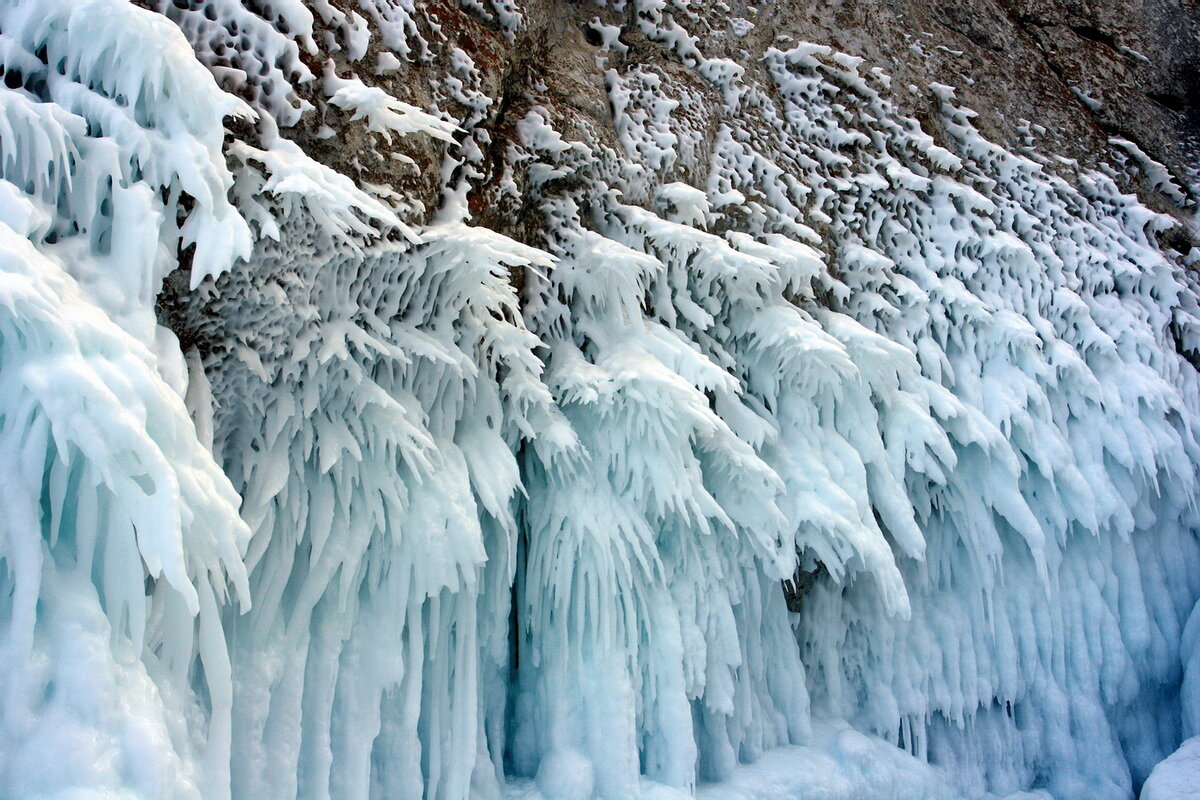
427,512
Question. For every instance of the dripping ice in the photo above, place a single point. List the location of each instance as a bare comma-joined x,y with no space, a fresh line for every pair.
864,467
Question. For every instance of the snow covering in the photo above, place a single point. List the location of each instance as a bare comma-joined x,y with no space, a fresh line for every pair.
1176,777
864,466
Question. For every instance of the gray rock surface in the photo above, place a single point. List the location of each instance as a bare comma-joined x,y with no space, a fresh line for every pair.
1065,75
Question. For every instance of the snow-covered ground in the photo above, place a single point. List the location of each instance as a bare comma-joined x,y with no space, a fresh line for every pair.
838,763
1177,777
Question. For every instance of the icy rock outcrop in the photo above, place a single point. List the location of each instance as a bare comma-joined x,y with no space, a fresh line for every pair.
498,405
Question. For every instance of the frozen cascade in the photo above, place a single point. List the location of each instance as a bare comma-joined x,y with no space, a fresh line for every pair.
845,455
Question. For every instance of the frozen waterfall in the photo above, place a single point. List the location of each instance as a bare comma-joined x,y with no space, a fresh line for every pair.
845,460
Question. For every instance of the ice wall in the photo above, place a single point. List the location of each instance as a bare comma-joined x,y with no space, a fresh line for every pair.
426,511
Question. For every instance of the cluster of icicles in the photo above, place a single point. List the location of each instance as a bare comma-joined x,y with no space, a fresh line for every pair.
403,530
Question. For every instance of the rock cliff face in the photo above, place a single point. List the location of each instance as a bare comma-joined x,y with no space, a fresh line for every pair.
1066,77
470,399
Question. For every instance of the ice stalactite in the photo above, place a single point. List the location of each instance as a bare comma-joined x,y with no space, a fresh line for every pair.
121,538
669,512
394,385
419,510
1058,520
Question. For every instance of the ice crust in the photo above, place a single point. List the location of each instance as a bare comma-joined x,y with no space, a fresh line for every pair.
426,512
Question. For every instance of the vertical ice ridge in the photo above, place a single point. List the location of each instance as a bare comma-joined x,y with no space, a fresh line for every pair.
123,534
